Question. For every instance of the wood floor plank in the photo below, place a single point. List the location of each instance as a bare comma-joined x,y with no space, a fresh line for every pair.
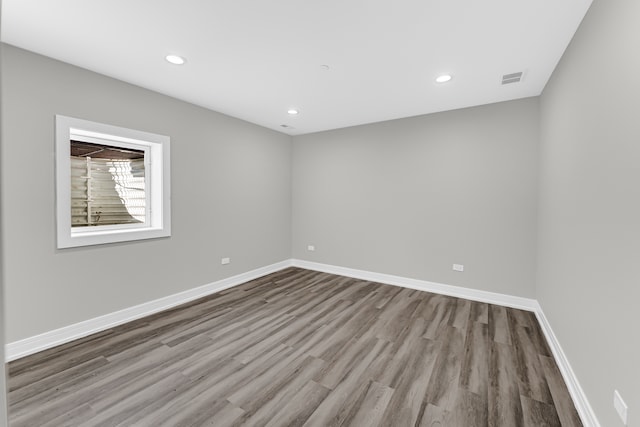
258,374
336,407
532,381
470,410
474,371
395,325
259,409
214,413
401,352
48,386
70,395
504,406
460,317
560,394
499,325
479,312
372,407
66,419
301,406
440,308
443,383
411,386
344,362
299,347
433,416
537,414
128,404
195,401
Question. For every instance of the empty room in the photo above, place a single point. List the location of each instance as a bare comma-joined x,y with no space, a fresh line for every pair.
320,213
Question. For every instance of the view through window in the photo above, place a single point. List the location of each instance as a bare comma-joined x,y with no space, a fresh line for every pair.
107,185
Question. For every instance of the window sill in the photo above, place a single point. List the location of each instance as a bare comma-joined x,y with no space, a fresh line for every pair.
89,238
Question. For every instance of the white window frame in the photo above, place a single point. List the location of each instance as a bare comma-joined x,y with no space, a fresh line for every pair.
157,183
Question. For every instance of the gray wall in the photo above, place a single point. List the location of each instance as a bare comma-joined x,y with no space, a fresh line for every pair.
231,196
413,196
589,231
3,387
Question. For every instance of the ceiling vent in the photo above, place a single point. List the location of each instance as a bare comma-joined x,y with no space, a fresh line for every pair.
511,78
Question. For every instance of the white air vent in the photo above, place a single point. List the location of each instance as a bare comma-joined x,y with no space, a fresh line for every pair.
511,78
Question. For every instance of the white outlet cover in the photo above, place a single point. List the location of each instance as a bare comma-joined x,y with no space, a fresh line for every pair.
311,248
621,407
458,267
225,260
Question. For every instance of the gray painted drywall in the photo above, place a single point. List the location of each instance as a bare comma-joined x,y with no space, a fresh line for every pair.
3,371
589,229
411,197
230,185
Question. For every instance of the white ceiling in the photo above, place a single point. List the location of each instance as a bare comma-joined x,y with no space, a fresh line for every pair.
254,59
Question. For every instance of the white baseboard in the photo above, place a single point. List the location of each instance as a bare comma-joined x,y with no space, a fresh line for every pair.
423,285
18,349
583,407
27,346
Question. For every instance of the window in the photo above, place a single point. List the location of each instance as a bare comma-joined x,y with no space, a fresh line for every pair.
112,183
108,185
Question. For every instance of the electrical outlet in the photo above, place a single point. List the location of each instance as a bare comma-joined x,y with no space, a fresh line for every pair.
311,248
621,407
225,261
458,267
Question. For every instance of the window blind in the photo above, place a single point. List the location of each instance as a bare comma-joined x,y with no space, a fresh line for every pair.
107,191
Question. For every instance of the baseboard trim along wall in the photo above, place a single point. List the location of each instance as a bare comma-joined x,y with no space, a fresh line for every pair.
25,347
423,285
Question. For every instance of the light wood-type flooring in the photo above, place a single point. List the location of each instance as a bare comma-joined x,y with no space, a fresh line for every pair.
302,348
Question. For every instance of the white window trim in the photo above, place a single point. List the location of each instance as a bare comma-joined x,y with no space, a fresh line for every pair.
158,186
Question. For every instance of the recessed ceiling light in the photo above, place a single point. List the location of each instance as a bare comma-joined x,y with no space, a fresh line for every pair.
443,78
292,111
175,59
